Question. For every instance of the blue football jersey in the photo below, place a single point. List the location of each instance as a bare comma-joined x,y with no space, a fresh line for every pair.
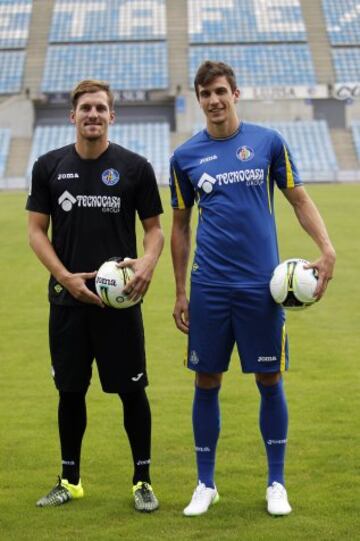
233,181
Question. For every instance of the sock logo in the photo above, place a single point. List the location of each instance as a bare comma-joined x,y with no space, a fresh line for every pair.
276,442
202,449
143,462
136,378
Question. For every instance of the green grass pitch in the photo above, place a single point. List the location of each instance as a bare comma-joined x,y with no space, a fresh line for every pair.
322,386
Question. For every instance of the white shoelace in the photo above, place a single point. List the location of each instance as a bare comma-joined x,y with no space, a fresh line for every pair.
198,492
277,491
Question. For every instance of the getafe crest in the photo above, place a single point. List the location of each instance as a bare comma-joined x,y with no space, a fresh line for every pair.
245,154
110,177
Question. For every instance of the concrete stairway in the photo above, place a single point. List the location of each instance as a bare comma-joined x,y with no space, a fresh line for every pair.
37,46
177,39
18,157
344,149
318,40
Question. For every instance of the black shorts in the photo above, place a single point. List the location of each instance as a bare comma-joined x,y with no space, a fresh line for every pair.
115,338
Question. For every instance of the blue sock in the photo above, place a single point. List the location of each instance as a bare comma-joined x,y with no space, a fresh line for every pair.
273,426
206,426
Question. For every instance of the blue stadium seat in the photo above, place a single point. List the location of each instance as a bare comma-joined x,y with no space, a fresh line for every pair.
4,149
355,127
239,21
15,18
346,62
342,21
259,65
310,144
11,73
150,139
126,66
108,20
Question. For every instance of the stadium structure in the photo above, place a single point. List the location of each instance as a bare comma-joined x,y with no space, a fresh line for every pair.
297,64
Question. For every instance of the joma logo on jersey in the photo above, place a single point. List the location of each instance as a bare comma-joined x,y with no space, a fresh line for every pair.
208,159
65,176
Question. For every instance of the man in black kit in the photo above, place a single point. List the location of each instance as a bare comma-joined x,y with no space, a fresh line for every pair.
91,192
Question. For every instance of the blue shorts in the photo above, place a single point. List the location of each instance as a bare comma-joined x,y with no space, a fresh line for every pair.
219,318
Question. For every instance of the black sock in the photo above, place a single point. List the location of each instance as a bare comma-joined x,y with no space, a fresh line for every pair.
72,424
137,423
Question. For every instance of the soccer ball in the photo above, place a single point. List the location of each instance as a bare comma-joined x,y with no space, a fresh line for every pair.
110,282
292,286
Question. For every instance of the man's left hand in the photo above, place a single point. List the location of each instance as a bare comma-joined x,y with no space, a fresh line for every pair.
143,268
325,267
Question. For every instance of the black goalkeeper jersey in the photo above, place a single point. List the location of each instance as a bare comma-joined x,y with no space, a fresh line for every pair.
92,205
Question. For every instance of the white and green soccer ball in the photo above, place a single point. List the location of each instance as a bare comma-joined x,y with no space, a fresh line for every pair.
110,282
292,285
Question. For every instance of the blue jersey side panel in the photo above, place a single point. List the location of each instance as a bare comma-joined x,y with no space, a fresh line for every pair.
233,182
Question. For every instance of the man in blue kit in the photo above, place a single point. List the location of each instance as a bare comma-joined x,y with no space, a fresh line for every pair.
231,169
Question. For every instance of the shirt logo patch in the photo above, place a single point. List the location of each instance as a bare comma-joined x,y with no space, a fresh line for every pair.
110,177
206,182
245,154
66,201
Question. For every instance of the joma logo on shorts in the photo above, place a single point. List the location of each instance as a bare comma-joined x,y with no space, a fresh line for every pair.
266,359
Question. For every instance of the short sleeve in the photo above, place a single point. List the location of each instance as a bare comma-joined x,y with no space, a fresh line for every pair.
39,195
283,169
148,201
181,189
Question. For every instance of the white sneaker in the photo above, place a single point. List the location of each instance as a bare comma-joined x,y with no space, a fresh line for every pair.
277,500
201,500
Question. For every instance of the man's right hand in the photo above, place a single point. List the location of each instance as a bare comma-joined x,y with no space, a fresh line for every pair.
181,313
75,283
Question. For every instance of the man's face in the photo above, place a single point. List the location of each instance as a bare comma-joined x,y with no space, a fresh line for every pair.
217,100
92,116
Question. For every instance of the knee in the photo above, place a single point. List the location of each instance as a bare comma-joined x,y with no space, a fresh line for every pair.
208,381
268,379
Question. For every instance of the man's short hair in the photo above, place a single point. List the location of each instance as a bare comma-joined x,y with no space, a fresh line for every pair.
92,86
210,70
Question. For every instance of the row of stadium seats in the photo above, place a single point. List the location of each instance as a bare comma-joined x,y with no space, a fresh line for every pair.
151,139
309,141
15,18
139,65
342,21
235,21
209,21
126,66
310,144
11,74
346,61
143,64
260,65
108,20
